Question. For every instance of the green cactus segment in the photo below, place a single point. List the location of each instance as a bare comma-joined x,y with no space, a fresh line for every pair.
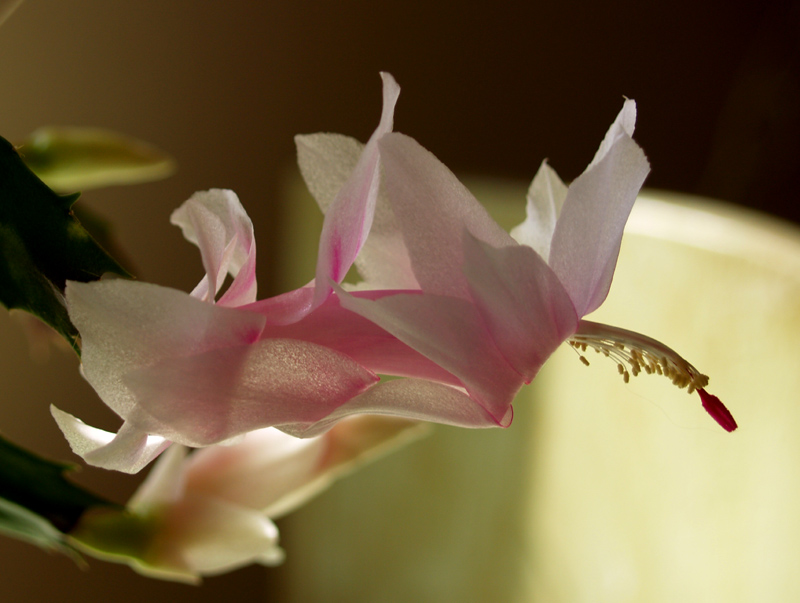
37,503
42,245
83,158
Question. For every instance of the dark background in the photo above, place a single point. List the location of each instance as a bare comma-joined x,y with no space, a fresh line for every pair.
491,88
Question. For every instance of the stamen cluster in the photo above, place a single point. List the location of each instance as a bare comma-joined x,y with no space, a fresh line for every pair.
634,353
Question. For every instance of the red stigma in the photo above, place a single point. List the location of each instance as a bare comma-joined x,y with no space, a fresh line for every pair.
717,410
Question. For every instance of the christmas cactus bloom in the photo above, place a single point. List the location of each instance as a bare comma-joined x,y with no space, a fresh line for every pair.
492,307
202,368
464,311
137,338
211,511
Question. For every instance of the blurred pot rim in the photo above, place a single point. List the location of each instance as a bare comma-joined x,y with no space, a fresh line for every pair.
718,227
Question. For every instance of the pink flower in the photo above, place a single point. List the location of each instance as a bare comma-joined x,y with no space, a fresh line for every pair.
185,368
211,511
493,307
450,301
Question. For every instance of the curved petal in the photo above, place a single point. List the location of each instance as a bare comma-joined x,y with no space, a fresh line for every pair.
264,467
128,451
339,329
623,126
433,209
217,394
545,198
326,161
350,215
128,325
286,308
198,534
450,332
217,223
205,536
524,306
411,399
587,236
164,485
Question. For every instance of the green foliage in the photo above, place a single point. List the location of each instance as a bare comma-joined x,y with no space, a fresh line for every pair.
37,503
69,159
42,245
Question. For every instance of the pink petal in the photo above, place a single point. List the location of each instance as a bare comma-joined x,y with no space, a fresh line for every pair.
433,209
524,306
217,223
266,466
326,161
339,329
450,332
212,396
587,237
128,325
412,399
350,215
286,308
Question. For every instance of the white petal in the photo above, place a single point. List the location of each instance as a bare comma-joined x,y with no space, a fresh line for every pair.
200,535
545,198
127,325
349,217
217,223
212,536
128,451
433,210
265,467
164,484
623,125
587,237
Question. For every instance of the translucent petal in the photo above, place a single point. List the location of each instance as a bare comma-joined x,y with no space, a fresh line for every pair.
209,397
208,536
412,399
450,332
164,484
128,451
350,214
524,306
339,329
127,325
545,198
265,467
433,209
326,161
587,237
217,223
623,126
